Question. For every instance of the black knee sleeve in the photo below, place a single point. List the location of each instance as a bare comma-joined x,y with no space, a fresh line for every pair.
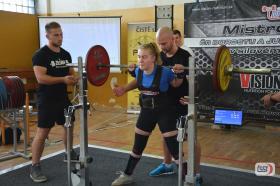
131,164
173,146
140,143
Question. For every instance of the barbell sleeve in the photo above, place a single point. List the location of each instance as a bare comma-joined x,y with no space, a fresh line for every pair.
252,71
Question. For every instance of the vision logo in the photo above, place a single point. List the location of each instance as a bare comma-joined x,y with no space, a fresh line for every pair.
259,81
272,13
264,169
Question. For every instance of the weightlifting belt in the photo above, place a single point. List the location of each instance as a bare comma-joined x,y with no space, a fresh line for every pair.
151,97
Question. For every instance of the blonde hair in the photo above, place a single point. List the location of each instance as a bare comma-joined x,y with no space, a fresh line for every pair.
153,48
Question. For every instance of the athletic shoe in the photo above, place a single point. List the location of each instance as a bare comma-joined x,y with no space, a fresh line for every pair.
36,174
123,179
163,169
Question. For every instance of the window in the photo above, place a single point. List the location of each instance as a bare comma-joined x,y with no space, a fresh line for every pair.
21,6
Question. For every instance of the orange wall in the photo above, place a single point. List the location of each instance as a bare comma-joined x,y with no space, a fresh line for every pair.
19,39
103,94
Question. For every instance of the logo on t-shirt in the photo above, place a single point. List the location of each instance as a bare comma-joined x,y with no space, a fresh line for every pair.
59,63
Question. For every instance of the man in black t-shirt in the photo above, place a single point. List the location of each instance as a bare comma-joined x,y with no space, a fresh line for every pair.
53,76
172,55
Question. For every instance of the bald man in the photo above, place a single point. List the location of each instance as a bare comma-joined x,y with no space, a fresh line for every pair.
172,55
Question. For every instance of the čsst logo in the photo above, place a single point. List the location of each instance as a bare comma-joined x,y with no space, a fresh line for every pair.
272,12
265,169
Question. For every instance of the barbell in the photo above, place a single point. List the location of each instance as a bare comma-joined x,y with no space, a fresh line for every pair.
98,67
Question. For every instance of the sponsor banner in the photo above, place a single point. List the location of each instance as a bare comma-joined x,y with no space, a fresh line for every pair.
138,33
251,30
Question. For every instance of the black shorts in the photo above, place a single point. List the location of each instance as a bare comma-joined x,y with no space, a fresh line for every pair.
148,118
50,113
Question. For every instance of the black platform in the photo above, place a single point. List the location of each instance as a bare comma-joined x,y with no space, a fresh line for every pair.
106,163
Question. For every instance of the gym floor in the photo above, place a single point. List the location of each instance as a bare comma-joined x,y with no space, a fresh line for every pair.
113,127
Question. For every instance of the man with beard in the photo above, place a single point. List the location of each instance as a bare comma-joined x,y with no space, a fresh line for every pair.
53,76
